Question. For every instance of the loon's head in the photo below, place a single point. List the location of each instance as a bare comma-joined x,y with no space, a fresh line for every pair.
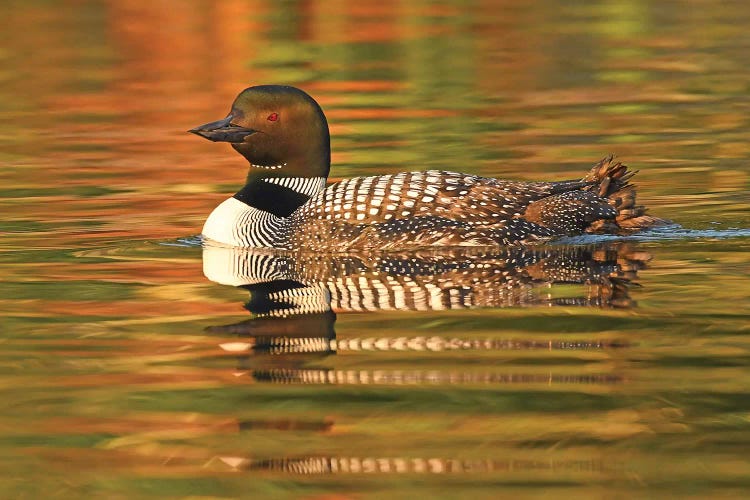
279,129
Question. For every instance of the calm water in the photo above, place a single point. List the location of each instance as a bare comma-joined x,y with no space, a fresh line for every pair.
136,364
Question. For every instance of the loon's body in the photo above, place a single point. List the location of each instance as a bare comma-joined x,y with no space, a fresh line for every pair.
285,202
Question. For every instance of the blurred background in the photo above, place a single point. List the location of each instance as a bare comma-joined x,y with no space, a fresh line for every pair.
112,387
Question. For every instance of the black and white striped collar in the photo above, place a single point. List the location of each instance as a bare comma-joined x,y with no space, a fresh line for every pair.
280,196
303,185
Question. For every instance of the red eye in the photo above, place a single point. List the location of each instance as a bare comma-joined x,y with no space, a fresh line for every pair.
273,117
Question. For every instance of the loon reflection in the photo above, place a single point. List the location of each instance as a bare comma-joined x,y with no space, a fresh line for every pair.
293,296
330,465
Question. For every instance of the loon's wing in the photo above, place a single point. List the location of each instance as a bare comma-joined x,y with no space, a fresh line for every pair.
413,232
448,195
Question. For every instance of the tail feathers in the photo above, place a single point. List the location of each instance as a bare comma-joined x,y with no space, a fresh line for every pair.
610,179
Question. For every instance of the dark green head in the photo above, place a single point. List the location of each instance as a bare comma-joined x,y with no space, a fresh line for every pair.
279,129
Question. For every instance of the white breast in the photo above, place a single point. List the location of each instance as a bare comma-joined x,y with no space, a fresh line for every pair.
237,224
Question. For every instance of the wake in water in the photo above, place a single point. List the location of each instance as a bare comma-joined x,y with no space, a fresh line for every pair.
661,233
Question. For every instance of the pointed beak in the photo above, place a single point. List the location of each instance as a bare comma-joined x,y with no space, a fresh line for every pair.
223,131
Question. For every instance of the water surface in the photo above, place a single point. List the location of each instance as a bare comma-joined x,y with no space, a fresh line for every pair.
596,368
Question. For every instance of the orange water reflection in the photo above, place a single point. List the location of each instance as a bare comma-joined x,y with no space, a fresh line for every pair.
116,381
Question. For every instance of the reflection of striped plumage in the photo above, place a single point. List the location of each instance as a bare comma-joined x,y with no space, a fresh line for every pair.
317,465
426,281
293,295
424,377
285,344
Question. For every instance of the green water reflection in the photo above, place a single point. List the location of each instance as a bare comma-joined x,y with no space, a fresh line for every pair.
121,379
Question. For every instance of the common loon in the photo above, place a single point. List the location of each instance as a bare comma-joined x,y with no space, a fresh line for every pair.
285,203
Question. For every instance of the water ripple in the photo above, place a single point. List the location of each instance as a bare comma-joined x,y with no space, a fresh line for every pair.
665,233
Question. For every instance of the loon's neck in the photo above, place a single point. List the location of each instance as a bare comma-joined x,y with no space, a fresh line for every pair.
258,214
277,193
